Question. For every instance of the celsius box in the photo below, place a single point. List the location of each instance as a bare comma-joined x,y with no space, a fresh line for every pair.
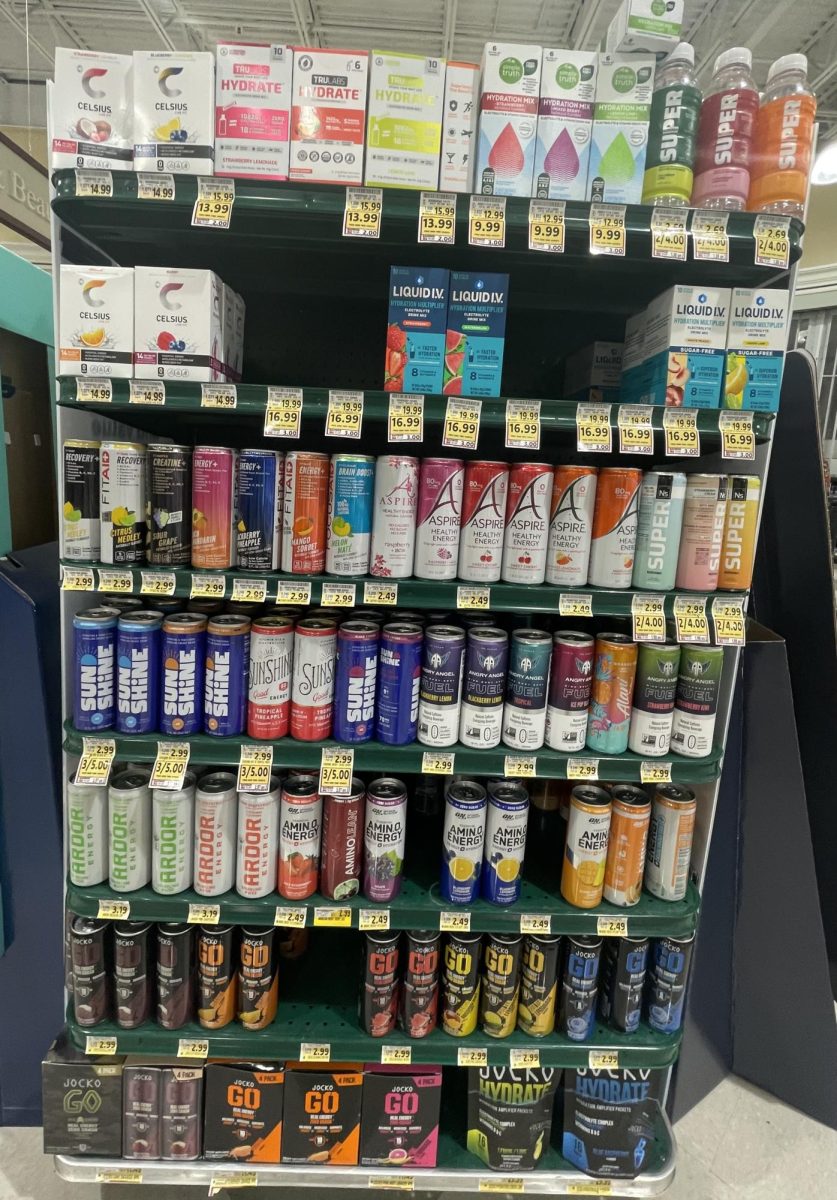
92,110
252,109
178,324
476,334
322,1114
418,307
328,115
404,129
511,81
756,341
683,348
565,123
624,86
96,321
243,1112
510,1115
400,1123
609,1120
82,1099
174,112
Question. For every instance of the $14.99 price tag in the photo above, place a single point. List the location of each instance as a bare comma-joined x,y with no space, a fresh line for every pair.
437,218
97,757
283,412
214,203
595,435
336,769
219,395
170,766
649,618
147,391
345,414
98,184
151,186
546,225
462,424
523,425
254,768
406,418
738,439
362,214
94,391
607,229
487,221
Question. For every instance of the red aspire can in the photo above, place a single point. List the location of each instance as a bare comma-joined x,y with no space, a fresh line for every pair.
527,523
483,521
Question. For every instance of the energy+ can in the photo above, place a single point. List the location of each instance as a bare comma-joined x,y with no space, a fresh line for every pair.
349,528
94,669
611,698
173,838
579,987
438,518
131,973
399,679
300,822
215,829
420,985
463,838
169,504
583,872
527,523
500,983
394,520
441,685
216,976
483,521
227,671
505,840
122,503
461,983
269,681
258,978
129,830
570,684
312,690
570,525
183,651
175,975
483,687
384,838
614,527
304,513
355,682
341,857
80,525
138,671
379,995
258,843
91,1003
665,988
527,682
739,545
699,558
87,834
622,980
661,500
214,503
261,485
629,819
696,700
538,985
653,700
670,841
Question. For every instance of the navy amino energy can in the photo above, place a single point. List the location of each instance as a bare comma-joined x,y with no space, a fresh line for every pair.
261,485
524,712
441,685
655,685
170,505
483,687
80,510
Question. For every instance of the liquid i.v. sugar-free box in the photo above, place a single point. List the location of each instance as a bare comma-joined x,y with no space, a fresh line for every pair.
684,345
756,344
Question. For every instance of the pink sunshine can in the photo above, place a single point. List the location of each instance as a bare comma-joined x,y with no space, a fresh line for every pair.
439,516
214,497
394,516
704,513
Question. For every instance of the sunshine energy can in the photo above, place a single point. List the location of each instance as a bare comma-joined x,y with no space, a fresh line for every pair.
441,685
739,544
261,489
341,855
483,521
629,819
349,528
483,687
269,680
570,683
216,976
461,983
696,700
183,652
653,700
570,525
699,559
304,513
612,695
94,669
80,526
300,825
312,690
384,838
524,712
500,983
670,836
420,985
355,681
258,978
622,979
665,988
122,503
614,527
394,519
505,840
661,499
399,679
538,985
170,504
216,813
87,834
173,838
138,671
579,987
583,872
258,842
527,523
214,502
227,671
379,996
463,838
438,518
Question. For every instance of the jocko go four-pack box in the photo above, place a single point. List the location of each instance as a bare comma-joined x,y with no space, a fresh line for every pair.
322,1114
243,1112
82,1102
400,1123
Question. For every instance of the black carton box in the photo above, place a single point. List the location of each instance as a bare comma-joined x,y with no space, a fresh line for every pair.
243,1112
82,1102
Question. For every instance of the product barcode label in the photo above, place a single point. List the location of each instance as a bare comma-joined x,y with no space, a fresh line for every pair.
710,241
436,762
594,434
118,582
655,772
232,1179
313,1052
394,1183
523,425
193,1048
546,225
157,583
254,768
522,1058
502,1183
362,213
603,1060
607,229
535,923
487,221
338,595
333,918
455,922
214,203
396,1056
668,233
283,412
336,770
690,620
94,1044
738,438
290,918
203,914
78,579
582,768
151,186
473,597
291,592
636,432
405,418
97,755
370,919
462,424
170,766
590,1187
94,391
772,238
119,1175
575,604
472,1056
219,395
98,184
147,391
520,766
209,587
380,593
649,618
437,218
345,414
250,591
612,926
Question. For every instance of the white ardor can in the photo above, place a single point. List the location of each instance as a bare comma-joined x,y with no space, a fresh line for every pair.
394,516
483,521
258,843
122,503
216,812
570,525
173,838
438,518
87,834
129,831
527,523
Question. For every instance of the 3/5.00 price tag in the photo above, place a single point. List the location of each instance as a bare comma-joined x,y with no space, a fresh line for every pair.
96,760
254,767
336,770
170,766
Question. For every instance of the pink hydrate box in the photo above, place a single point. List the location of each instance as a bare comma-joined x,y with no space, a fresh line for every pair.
252,109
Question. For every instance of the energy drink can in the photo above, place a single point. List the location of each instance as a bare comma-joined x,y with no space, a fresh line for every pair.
141,1112
583,872
505,841
304,513
394,520
131,973
124,604
261,484
122,503
699,558
368,614
399,679
500,983
129,831
183,651
420,986
739,545
665,988
216,976
461,983
80,526
570,525
180,1113
579,987
538,985
483,521
94,669
167,605
214,503
356,677
462,841
527,523
670,841
483,687
524,712
629,819
384,838
226,682
438,519
312,691
170,505
87,834
614,527
379,997
410,616
173,838
138,671
300,821
349,527
653,700
696,700
570,684
441,685
611,698
258,843
258,979
341,857
216,809
269,681
661,500
622,980
175,976
91,1003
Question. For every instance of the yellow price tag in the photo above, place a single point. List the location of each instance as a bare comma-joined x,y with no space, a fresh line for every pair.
283,412
157,583
582,768
487,221
147,391
250,591
681,433
254,768
290,592
114,910
649,618
345,414
668,233
607,229
370,919
437,219
315,1052
78,579
151,186
214,203
380,593
636,431
603,1060
535,923
501,1183
593,429
435,762
333,918
690,621
462,424
338,595
455,922
655,772
219,395
193,1048
208,587
396,1056
362,214
406,418
290,918
473,597
772,235
590,1187
99,1045
572,604
336,769
519,1057
203,914
232,1179
118,583
97,184
94,391
738,439
728,618
520,766
546,225
395,1183
612,926
170,765
523,425
97,755
710,242
119,1175
471,1056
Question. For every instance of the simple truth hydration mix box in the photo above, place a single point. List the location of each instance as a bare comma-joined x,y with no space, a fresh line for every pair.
624,87
645,25
511,79
418,306
252,109
756,343
476,333
683,349
92,117
565,123
174,112
404,128
328,115
459,127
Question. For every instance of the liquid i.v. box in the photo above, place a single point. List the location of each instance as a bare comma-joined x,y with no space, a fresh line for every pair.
756,344
476,333
684,347
415,351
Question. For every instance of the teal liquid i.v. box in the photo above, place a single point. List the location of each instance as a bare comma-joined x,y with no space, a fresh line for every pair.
476,333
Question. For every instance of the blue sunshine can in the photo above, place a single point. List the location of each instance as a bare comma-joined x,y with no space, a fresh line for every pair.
94,673
355,681
138,671
183,654
399,677
227,675
349,531
261,482
505,840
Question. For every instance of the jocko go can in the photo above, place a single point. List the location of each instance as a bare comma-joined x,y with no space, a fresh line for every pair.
215,830
696,700
670,841
661,499
653,699
579,987
90,975
505,840
379,994
500,983
138,671
441,685
132,973
129,830
538,985
80,512
341,855
384,838
570,525
312,690
483,687
349,528
483,521
87,834
269,680
258,842
527,523
463,837
214,500
583,872
399,679
739,545
216,976
420,983
258,978
622,980
524,711
170,505
173,838
94,669
261,479
175,976
438,518
394,520
304,513
355,681
614,673
227,675
629,819
614,527
665,987
122,503
570,683
183,651
461,983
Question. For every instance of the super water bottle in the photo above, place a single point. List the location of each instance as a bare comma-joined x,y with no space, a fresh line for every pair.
672,134
725,133
784,139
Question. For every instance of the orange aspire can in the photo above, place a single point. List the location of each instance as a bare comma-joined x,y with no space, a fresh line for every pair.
629,820
614,527
305,513
570,524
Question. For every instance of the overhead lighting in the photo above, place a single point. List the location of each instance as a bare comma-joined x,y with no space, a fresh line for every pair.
825,165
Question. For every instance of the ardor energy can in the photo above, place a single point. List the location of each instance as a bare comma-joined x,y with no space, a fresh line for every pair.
653,700
483,687
699,559
269,680
356,677
384,838
173,838
629,819
579,987
570,525
394,517
261,489
379,996
300,824
122,503
214,502
258,843
349,528
420,984
622,980
258,978
305,513
739,545
183,652
216,811
505,840
227,674
81,529
132,973
129,831
438,518
94,669
170,505
696,700
570,683
538,985
138,671
483,521
175,975
527,523
665,989
661,499
670,836
341,856
87,834
216,976
399,679
614,527
441,685
583,873
524,711
461,983
612,695
463,838
500,983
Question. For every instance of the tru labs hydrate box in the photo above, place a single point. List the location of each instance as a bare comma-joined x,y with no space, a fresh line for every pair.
645,25
565,123
459,126
179,324
476,334
252,109
174,112
404,130
624,87
511,81
328,115
756,343
92,111
683,352
418,306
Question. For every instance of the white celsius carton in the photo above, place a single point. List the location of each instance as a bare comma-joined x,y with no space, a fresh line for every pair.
510,87
179,325
92,111
597,366
174,112
252,109
756,344
404,128
328,115
459,126
565,123
684,347
96,321
228,355
624,86
645,25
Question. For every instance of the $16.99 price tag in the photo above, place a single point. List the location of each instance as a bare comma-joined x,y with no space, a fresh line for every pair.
345,414
283,412
462,424
636,431
594,434
523,425
336,769
406,418
738,439
681,433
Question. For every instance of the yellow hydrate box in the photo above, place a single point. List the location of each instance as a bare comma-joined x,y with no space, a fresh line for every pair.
404,129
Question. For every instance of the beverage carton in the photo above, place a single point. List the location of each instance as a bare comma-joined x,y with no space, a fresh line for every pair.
684,344
243,1112
328,115
238,339
321,1124
174,111
597,367
252,109
645,25
459,125
82,1102
610,1119
511,77
404,131
179,326
510,1115
96,321
633,358
624,86
756,343
565,123
476,333
92,110
400,1122
418,306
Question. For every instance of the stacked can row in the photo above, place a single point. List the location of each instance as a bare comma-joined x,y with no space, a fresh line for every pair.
394,517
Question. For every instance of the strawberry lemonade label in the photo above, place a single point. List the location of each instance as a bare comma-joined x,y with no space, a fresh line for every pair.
415,351
252,109
328,115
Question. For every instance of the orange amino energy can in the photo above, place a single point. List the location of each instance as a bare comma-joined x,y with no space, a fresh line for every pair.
629,820
738,548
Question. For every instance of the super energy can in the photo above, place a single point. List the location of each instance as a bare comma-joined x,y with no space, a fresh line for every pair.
304,513
505,840
87,834
300,824
170,505
394,520
379,995
527,523
356,680
90,976
94,669
696,700
579,987
216,976
341,856
670,841
138,671
175,975
570,683
483,521
461,983
483,687
614,527
699,559
258,842
269,680
665,988
438,518
227,671
570,525
611,698
122,503
653,700
399,679
312,690
214,502
661,499
463,838
739,544
173,838
583,872
183,651
441,685
131,973
216,813
81,530
261,489
129,830
420,985
500,983
622,979
629,819
384,838
538,985
349,529
524,712
258,978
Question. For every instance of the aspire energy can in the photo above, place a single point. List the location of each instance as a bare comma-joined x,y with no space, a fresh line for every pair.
696,700
261,479
379,995
91,1004
483,687
399,679
87,834
312,689
524,711
216,976
258,978
699,558
131,973
258,843
183,653
461,983
214,502
438,518
215,830
653,700
629,819
170,505
122,503
173,838
175,975
420,984
670,836
227,675
500,983
138,671
739,545
527,523
570,525
505,840
304,513
349,527
614,674
661,500
579,987
441,685
129,831
665,986
583,872
80,526
483,521
394,520
94,669
624,963
538,985
269,680
614,527
570,683
384,838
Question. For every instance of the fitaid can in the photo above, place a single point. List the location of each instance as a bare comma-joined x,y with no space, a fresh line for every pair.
261,489
740,526
696,700
183,652
463,838
699,558
399,679
227,671
94,669
614,527
312,691
341,856
438,519
300,826
258,843
122,503
269,680
611,698
394,519
524,712
461,983
216,812
81,527
138,671
355,681
585,853
661,500
483,687
173,838
214,503
441,685
527,523
379,997
625,866
653,700
570,684
579,987
570,525
87,834
304,513
349,529
483,521
505,841
129,831
170,503
670,836
384,838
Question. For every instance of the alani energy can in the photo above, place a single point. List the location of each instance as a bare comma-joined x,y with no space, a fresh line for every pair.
216,811
258,843
483,521
614,674
304,513
614,527
94,669
696,700
349,527
227,675
175,975
527,523
438,518
258,978
420,983
183,653
173,838
261,484
170,504
300,825
214,502
216,975
570,525
399,679
379,994
653,700
500,983
91,1004
312,691
739,544
138,671
505,841
629,820
384,838
538,985
524,712
87,834
670,836
579,987
463,838
570,684
461,983
661,500
122,503
583,873
81,530
624,963
441,684
356,681
394,516
132,977
341,856
129,831
668,974
269,681
483,687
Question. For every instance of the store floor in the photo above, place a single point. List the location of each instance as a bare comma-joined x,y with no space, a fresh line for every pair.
738,1144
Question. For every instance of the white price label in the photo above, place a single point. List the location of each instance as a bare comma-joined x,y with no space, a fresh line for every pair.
370,919
575,604
98,184
462,424
151,186
473,597
254,768
336,769
99,1045
283,412
94,391
612,926
472,1056
437,218
207,587
607,229
538,923
290,918
293,592
380,593
455,922
668,233
315,1052
396,1056
193,1048
603,1060
362,214
437,762
338,595
636,432
583,768
523,425
214,203
520,766
119,583
147,391
157,583
546,225
203,914
78,579
522,1058
219,395
649,618
594,434
114,910
710,241
681,433
250,591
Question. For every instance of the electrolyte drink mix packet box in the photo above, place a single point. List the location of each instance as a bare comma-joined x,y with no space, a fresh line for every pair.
82,1102
174,111
476,333
645,25
609,1120
510,1115
459,127
252,109
624,86
243,1110
322,1114
565,124
404,128
418,307
92,111
400,1122
328,115
756,343
96,321
511,78
683,349
633,358
179,324
595,368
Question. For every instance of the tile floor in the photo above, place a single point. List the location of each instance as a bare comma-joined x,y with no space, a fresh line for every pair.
738,1144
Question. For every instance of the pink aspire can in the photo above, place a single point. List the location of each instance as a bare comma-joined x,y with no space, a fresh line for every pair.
394,516
699,558
439,515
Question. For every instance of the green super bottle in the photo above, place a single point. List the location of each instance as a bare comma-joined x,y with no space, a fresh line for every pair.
672,134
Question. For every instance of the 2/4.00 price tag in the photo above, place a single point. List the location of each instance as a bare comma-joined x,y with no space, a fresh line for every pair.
649,618
690,621
462,424
254,767
97,755
362,214
681,433
636,431
283,412
738,439
668,233
170,766
594,433
94,391
546,225
406,418
607,229
523,425
214,203
710,241
772,237
345,414
336,770
437,218
728,619
487,221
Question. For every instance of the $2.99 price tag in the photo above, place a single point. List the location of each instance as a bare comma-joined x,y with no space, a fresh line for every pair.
345,414
649,618
157,583
254,769
487,221
97,757
582,768
336,769
170,766
437,218
78,579
607,229
314,1052
437,762
283,412
523,425
214,203
595,435
209,587
462,424
116,582
406,418
362,214
604,1060
738,440
655,772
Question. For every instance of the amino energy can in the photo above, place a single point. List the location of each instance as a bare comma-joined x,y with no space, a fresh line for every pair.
629,819
300,821
349,528
122,503
269,681
670,841
696,700
653,700
661,500
341,857
227,671
483,687
614,527
441,685
214,503
216,976
131,973
173,838
579,987
258,843
483,521
666,981
379,997
87,834
356,677
538,985
570,684
394,519
81,529
175,975
94,673
420,986
614,674
138,671
505,840
304,513
739,544
312,690
183,652
461,983
570,525
90,977
500,983
169,504
399,679
527,523
216,812
463,838
438,518
623,976
258,978
384,838
261,489
129,830
524,711
699,559
583,872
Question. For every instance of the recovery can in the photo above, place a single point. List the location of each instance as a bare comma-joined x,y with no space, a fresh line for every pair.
661,500
80,526
611,698
463,838
583,872
132,978
570,525
570,684
170,505
461,983
399,680
175,975
483,687
183,652
227,673
696,700
483,521
527,682
500,983
138,671
527,523
349,528
625,866
505,840
653,700
538,985
122,503
91,1002
670,841
261,488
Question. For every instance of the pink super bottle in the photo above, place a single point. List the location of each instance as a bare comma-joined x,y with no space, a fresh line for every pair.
725,133
699,557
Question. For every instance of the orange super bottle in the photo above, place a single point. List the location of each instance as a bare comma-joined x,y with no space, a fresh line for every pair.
781,154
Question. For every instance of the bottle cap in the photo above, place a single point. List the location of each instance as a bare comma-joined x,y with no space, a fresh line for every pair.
682,52
733,56
788,62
